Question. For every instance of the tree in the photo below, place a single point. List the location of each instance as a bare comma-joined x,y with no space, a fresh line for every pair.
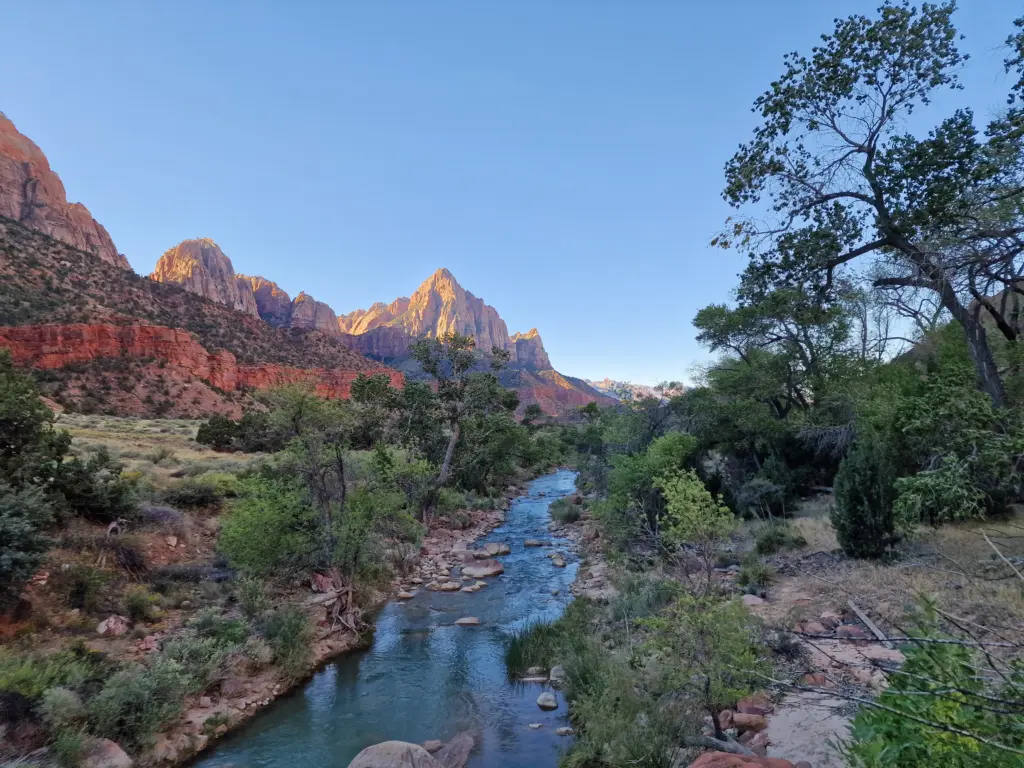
24,514
30,448
943,214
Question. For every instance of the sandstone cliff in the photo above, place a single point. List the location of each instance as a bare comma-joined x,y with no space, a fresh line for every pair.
310,314
380,314
529,350
201,267
272,304
32,194
182,360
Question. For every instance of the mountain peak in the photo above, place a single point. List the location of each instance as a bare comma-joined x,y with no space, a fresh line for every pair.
32,194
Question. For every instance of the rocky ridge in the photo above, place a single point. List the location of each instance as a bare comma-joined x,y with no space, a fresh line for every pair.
33,195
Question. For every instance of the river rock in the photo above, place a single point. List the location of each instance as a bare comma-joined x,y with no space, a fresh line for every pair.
104,753
433,745
483,568
564,731
536,671
480,584
495,548
455,753
403,595
547,701
395,754
557,675
535,726
533,543
468,589
449,586
558,561
467,621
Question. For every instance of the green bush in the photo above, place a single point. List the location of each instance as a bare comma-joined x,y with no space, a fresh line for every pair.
192,492
84,587
938,683
252,596
777,536
32,675
863,516
290,634
95,489
136,702
203,660
69,747
563,511
61,708
24,515
139,603
755,575
211,623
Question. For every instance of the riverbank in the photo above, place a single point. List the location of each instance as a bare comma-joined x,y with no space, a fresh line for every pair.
242,696
427,676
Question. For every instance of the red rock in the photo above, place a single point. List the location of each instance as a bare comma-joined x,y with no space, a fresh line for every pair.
815,628
272,303
725,719
310,314
32,194
113,626
852,632
201,267
758,704
726,760
817,679
744,722
55,346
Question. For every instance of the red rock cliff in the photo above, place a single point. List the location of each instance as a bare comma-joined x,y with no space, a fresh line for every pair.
201,267
55,346
32,194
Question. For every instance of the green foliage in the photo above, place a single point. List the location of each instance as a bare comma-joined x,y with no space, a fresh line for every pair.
253,433
193,492
32,675
936,689
95,489
290,635
372,518
692,514
776,536
136,702
270,529
24,515
61,708
139,603
69,747
755,576
252,596
563,511
203,660
84,587
30,449
863,516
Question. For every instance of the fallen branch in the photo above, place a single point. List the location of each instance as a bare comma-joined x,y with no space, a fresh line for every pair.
869,624
731,746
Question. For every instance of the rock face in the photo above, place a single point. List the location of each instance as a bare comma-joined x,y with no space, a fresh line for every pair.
439,306
394,754
529,350
310,314
55,346
201,267
272,304
380,343
32,194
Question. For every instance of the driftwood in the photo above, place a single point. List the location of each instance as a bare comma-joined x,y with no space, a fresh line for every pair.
879,634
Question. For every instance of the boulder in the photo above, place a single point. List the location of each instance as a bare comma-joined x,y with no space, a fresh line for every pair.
558,561
104,753
743,722
564,731
557,675
433,745
547,701
533,543
113,626
495,548
403,595
449,586
751,600
455,753
756,704
482,569
395,754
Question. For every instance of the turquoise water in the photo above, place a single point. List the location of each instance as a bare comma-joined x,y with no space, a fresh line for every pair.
424,678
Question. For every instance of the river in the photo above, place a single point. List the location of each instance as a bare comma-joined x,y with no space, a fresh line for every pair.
425,678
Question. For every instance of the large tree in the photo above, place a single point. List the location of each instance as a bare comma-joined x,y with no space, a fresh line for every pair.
845,183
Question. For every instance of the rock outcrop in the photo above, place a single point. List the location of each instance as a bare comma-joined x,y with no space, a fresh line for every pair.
310,314
201,267
272,304
529,350
362,320
32,194
56,346
380,343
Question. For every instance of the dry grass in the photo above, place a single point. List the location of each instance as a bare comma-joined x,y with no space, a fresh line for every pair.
155,448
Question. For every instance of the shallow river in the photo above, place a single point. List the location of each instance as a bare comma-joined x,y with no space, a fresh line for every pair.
424,678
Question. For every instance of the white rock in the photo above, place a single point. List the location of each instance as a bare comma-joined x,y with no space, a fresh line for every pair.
547,701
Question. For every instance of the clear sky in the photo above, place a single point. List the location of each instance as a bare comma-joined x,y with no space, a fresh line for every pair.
563,158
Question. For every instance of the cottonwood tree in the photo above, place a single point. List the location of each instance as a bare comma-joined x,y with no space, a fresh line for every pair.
845,184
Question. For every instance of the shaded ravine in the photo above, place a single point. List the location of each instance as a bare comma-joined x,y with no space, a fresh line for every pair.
425,678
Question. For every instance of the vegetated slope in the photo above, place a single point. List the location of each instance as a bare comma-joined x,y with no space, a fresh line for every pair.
74,303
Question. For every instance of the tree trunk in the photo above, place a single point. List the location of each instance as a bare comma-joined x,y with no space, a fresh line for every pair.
449,453
989,380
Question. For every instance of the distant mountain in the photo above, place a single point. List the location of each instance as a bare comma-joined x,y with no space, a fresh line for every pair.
624,390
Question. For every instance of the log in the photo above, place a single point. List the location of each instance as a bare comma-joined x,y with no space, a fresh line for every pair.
879,634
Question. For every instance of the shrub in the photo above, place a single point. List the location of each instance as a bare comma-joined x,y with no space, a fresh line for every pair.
213,624
61,708
252,597
69,747
136,702
563,511
23,516
450,500
139,603
192,492
95,489
203,659
372,520
32,675
270,529
755,575
290,635
759,497
864,489
777,536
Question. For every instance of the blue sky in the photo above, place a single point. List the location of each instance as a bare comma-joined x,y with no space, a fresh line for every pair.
564,159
